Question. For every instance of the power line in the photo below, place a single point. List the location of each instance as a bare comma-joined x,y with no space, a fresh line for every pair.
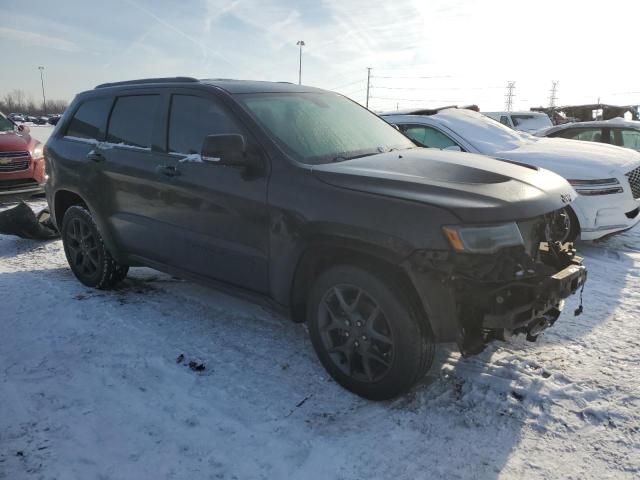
346,85
413,99
431,88
400,76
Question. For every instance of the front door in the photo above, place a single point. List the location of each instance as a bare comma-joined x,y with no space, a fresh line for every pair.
218,213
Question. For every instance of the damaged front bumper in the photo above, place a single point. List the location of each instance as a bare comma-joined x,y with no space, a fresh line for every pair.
493,296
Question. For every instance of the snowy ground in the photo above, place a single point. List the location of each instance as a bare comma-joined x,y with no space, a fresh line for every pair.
90,387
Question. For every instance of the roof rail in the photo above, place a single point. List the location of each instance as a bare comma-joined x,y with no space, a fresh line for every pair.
149,80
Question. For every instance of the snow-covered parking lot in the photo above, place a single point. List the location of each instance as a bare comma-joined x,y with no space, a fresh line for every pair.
97,385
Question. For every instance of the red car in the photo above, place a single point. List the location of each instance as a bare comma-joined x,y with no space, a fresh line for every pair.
21,162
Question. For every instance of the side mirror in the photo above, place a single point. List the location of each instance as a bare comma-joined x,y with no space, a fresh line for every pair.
225,149
453,148
23,129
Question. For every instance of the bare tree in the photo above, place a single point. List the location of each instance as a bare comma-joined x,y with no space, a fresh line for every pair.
18,101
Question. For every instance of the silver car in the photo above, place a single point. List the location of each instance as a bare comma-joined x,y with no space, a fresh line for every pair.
618,131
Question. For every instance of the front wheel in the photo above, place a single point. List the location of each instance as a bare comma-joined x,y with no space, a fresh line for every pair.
365,333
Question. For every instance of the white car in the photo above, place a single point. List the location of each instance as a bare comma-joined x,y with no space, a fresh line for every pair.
524,121
606,177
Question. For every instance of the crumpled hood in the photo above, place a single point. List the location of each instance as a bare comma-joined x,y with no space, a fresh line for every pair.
572,158
14,141
475,188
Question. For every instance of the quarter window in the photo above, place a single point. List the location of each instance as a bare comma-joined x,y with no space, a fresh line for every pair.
428,137
192,118
132,120
89,118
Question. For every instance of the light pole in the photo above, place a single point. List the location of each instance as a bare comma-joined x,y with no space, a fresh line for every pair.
44,99
300,44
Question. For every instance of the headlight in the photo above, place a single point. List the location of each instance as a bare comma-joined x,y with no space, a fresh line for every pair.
37,153
603,186
483,239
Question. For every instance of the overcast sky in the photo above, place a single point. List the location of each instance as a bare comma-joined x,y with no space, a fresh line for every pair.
426,53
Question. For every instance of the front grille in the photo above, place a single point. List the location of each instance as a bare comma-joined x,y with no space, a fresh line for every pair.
14,161
14,166
634,181
19,154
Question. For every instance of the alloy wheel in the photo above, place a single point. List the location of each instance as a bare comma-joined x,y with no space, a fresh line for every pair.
355,333
83,247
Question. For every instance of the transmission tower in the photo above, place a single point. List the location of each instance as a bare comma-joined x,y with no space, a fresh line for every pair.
508,104
553,93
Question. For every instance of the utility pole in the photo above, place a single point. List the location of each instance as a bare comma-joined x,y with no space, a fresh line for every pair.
300,44
44,99
508,104
553,94
368,85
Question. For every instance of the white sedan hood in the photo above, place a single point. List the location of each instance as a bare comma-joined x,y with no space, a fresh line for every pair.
572,158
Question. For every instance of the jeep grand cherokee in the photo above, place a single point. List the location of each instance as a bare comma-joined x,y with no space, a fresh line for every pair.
303,197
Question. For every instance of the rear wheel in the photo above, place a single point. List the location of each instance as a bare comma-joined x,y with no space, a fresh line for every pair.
86,252
366,334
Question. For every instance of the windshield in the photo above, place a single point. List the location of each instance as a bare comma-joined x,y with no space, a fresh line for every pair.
319,127
531,122
6,125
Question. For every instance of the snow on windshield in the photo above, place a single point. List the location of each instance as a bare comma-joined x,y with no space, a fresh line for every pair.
530,123
484,133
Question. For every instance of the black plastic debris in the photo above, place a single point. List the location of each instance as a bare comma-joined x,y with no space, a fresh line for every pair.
23,222
180,358
196,367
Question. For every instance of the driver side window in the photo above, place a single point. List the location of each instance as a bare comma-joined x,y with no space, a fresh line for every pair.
192,118
428,137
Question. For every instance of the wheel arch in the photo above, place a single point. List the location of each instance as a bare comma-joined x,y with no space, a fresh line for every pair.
64,198
319,257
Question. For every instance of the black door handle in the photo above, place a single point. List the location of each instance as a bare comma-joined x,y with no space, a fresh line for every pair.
168,170
95,156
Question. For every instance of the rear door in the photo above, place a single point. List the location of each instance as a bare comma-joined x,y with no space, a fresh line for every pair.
588,134
131,187
219,213
626,137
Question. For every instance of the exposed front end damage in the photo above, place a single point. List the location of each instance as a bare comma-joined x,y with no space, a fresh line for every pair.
518,289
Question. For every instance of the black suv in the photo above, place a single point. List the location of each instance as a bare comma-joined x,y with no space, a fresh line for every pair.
302,197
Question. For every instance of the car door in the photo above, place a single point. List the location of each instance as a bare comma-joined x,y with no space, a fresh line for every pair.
426,136
219,214
588,134
131,187
626,137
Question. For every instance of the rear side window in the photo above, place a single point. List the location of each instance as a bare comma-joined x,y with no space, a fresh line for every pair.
132,120
89,118
586,134
192,118
627,138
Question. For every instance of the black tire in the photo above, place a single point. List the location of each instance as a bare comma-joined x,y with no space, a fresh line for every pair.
86,252
389,348
574,225
566,226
